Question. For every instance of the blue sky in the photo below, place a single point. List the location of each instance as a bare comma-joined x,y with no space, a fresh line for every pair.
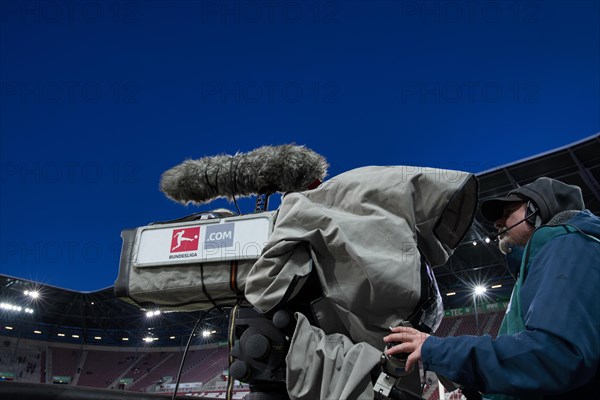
97,99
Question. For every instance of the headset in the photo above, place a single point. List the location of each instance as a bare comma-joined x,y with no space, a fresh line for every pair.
532,216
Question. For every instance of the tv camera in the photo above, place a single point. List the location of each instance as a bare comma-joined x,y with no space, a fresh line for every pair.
312,287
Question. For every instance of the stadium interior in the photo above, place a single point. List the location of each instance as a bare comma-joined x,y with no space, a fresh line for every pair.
50,335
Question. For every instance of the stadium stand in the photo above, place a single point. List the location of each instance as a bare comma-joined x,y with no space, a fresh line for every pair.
489,324
209,368
157,367
22,363
64,361
102,368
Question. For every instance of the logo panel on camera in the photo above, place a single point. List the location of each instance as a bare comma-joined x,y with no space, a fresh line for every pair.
185,239
219,236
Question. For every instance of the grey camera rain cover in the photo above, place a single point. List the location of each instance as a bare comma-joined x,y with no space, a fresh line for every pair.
363,232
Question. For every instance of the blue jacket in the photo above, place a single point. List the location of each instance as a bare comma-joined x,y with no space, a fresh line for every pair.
557,355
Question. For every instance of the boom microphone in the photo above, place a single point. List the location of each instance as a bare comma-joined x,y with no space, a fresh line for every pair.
266,170
532,211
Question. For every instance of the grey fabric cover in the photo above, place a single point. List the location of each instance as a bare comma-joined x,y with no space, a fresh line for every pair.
179,287
360,232
328,367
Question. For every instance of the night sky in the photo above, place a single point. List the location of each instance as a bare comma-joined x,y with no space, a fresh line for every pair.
99,98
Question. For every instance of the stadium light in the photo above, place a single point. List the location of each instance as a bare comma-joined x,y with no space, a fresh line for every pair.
479,290
14,307
8,306
34,294
153,313
208,333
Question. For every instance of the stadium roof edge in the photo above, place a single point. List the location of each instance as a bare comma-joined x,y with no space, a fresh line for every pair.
49,285
542,154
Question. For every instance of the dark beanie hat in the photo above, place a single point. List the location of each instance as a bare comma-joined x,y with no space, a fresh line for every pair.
549,196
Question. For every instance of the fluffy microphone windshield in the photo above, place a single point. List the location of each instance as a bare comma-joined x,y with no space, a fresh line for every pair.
268,169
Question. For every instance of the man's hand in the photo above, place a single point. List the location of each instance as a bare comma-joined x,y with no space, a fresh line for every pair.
410,341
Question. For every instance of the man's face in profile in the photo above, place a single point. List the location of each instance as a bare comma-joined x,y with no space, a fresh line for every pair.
514,213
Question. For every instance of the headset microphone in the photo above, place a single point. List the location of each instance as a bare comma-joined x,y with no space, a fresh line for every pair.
536,222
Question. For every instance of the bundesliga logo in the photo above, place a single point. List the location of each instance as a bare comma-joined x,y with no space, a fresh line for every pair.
186,239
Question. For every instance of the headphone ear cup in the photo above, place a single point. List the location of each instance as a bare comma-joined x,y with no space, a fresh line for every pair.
533,215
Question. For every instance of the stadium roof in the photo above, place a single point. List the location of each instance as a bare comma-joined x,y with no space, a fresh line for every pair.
89,315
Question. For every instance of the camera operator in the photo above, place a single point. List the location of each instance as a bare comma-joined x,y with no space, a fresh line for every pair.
548,346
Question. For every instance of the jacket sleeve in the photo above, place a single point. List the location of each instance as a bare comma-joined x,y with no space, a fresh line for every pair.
560,348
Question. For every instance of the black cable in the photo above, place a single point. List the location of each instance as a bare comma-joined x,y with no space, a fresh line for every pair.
214,187
230,343
215,305
187,347
232,171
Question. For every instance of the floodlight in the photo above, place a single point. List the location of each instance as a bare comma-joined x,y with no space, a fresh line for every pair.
479,290
152,313
34,294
